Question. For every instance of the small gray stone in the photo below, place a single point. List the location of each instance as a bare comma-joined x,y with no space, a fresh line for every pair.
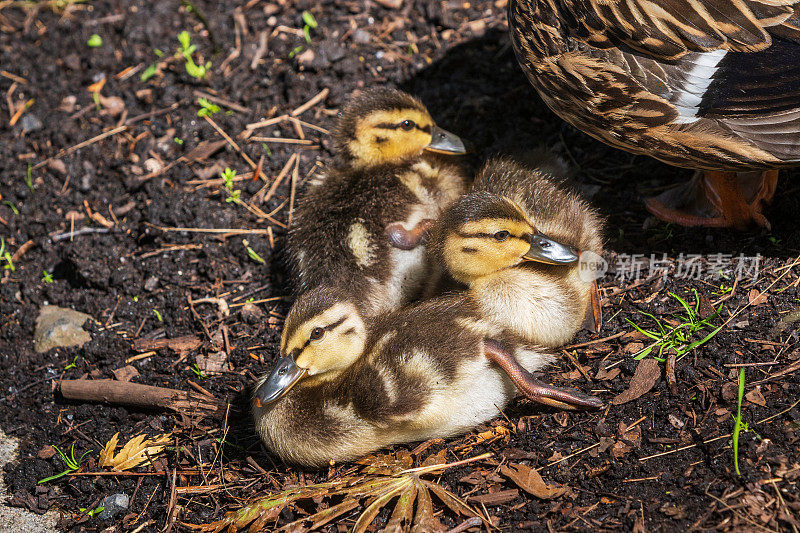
113,504
151,284
30,122
58,327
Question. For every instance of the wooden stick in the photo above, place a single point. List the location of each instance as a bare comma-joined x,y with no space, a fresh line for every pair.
80,145
311,103
294,188
266,122
142,396
281,140
231,142
282,174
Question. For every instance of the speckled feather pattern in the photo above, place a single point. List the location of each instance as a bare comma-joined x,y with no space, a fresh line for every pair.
420,378
707,84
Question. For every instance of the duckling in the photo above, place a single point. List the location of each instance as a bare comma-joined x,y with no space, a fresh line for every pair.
361,223
342,389
514,242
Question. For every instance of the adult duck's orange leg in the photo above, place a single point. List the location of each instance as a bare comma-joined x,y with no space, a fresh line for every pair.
718,199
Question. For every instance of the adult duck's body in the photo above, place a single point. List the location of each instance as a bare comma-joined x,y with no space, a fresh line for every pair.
706,84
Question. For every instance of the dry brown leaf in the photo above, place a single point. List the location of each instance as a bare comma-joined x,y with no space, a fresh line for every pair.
179,345
607,375
213,364
133,453
755,396
754,297
647,374
381,480
496,498
531,481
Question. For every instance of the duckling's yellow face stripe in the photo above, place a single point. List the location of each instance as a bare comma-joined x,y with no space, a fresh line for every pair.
481,247
385,136
328,342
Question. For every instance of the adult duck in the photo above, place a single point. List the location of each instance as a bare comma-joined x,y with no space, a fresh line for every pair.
711,85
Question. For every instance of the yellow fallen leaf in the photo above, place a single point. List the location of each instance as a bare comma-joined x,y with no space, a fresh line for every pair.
135,452
107,454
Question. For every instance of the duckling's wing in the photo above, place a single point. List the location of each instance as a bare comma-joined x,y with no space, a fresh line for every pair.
669,29
534,389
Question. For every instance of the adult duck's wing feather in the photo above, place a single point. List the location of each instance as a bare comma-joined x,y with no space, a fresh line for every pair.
669,29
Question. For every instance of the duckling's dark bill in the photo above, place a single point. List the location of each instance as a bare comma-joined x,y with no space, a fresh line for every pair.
546,250
445,142
534,389
283,377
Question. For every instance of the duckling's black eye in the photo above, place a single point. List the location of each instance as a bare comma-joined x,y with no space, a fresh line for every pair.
316,333
501,235
408,125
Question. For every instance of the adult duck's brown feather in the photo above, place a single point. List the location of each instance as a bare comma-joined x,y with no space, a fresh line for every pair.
704,84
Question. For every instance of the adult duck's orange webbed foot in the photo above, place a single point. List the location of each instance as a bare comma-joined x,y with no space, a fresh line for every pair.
718,199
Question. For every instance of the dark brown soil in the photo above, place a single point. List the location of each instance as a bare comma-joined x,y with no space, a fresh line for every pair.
136,279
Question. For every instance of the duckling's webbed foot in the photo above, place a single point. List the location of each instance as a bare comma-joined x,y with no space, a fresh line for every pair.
534,389
408,239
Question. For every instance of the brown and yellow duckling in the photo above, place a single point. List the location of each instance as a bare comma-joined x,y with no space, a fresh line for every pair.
704,84
360,224
515,243
433,369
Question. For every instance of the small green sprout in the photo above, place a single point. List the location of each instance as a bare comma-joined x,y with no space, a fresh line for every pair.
96,98
71,463
158,52
12,206
296,51
29,179
149,72
187,49
234,195
5,255
136,299
310,23
92,513
178,141
266,149
206,108
73,364
737,423
47,277
95,41
252,254
197,372
158,315
309,20
250,300
681,338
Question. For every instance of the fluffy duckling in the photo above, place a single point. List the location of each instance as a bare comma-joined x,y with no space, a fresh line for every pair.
515,243
417,379
361,223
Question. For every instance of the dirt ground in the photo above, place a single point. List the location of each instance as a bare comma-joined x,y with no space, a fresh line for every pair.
100,167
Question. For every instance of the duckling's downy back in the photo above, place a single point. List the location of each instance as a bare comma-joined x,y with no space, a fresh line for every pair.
360,225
